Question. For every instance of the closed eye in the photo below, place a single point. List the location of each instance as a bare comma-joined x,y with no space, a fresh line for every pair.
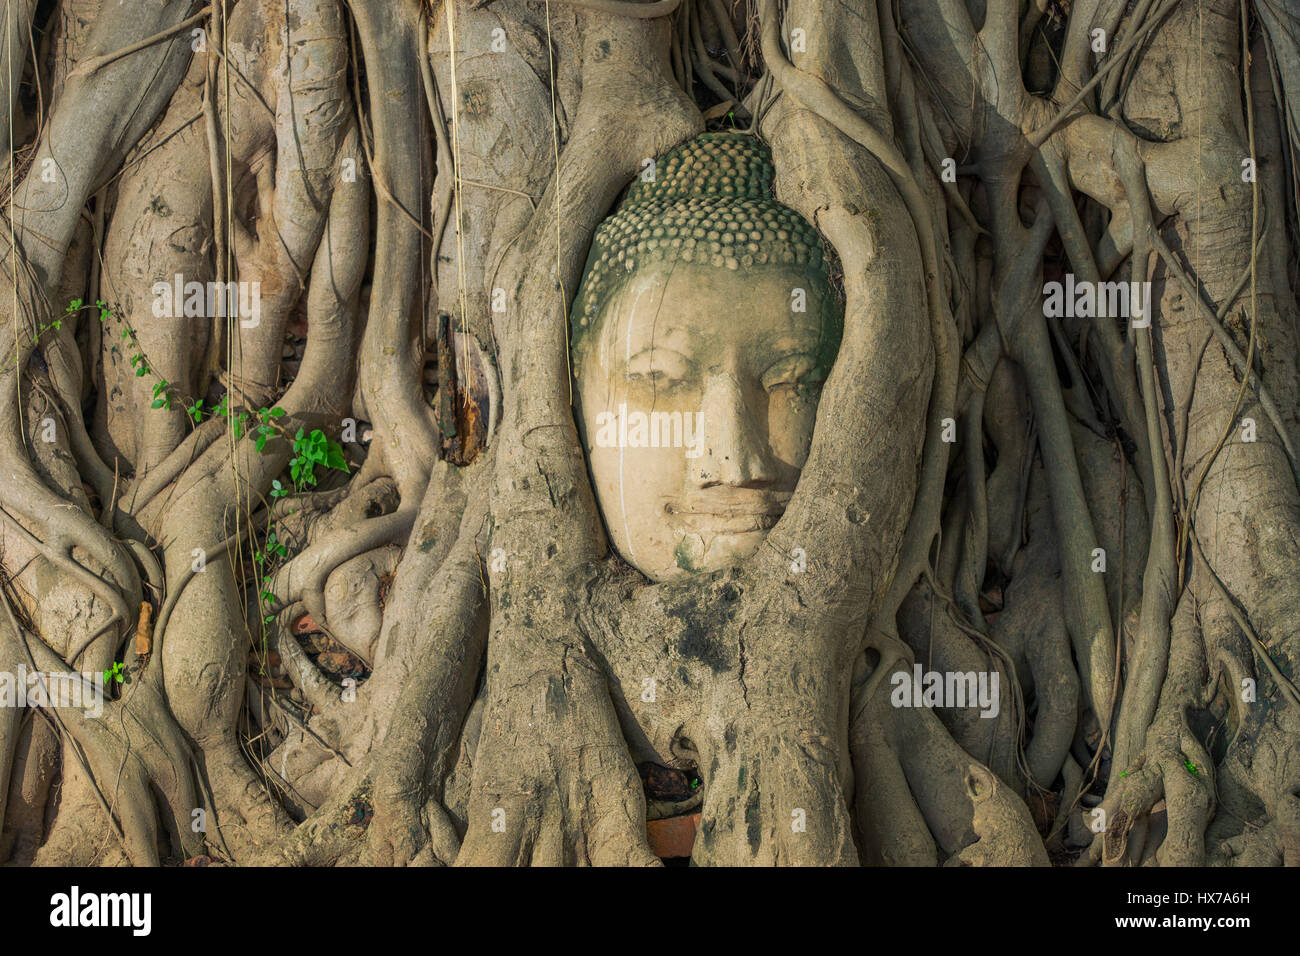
792,371
657,365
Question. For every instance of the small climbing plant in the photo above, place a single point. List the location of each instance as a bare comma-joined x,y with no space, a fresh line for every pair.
115,673
311,449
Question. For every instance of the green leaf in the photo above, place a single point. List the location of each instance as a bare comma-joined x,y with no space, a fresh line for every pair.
334,457
278,412
261,442
158,403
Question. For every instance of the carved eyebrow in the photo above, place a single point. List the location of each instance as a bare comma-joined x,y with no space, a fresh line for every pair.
795,340
658,355
664,335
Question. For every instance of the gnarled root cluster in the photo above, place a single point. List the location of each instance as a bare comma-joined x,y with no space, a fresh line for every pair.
333,550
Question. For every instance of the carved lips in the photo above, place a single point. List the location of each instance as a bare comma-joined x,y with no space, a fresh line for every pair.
727,510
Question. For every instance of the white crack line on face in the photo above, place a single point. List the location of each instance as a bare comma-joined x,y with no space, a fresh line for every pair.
622,450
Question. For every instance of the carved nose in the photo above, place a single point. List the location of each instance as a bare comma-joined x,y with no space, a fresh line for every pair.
733,453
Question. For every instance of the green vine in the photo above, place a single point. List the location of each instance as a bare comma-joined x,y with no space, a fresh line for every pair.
310,449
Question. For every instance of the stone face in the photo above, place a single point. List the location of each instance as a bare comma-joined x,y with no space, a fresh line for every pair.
710,202
703,330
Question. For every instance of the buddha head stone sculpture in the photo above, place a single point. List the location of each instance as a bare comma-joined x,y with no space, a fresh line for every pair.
702,332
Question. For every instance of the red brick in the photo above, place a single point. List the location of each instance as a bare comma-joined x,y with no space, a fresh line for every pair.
673,837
